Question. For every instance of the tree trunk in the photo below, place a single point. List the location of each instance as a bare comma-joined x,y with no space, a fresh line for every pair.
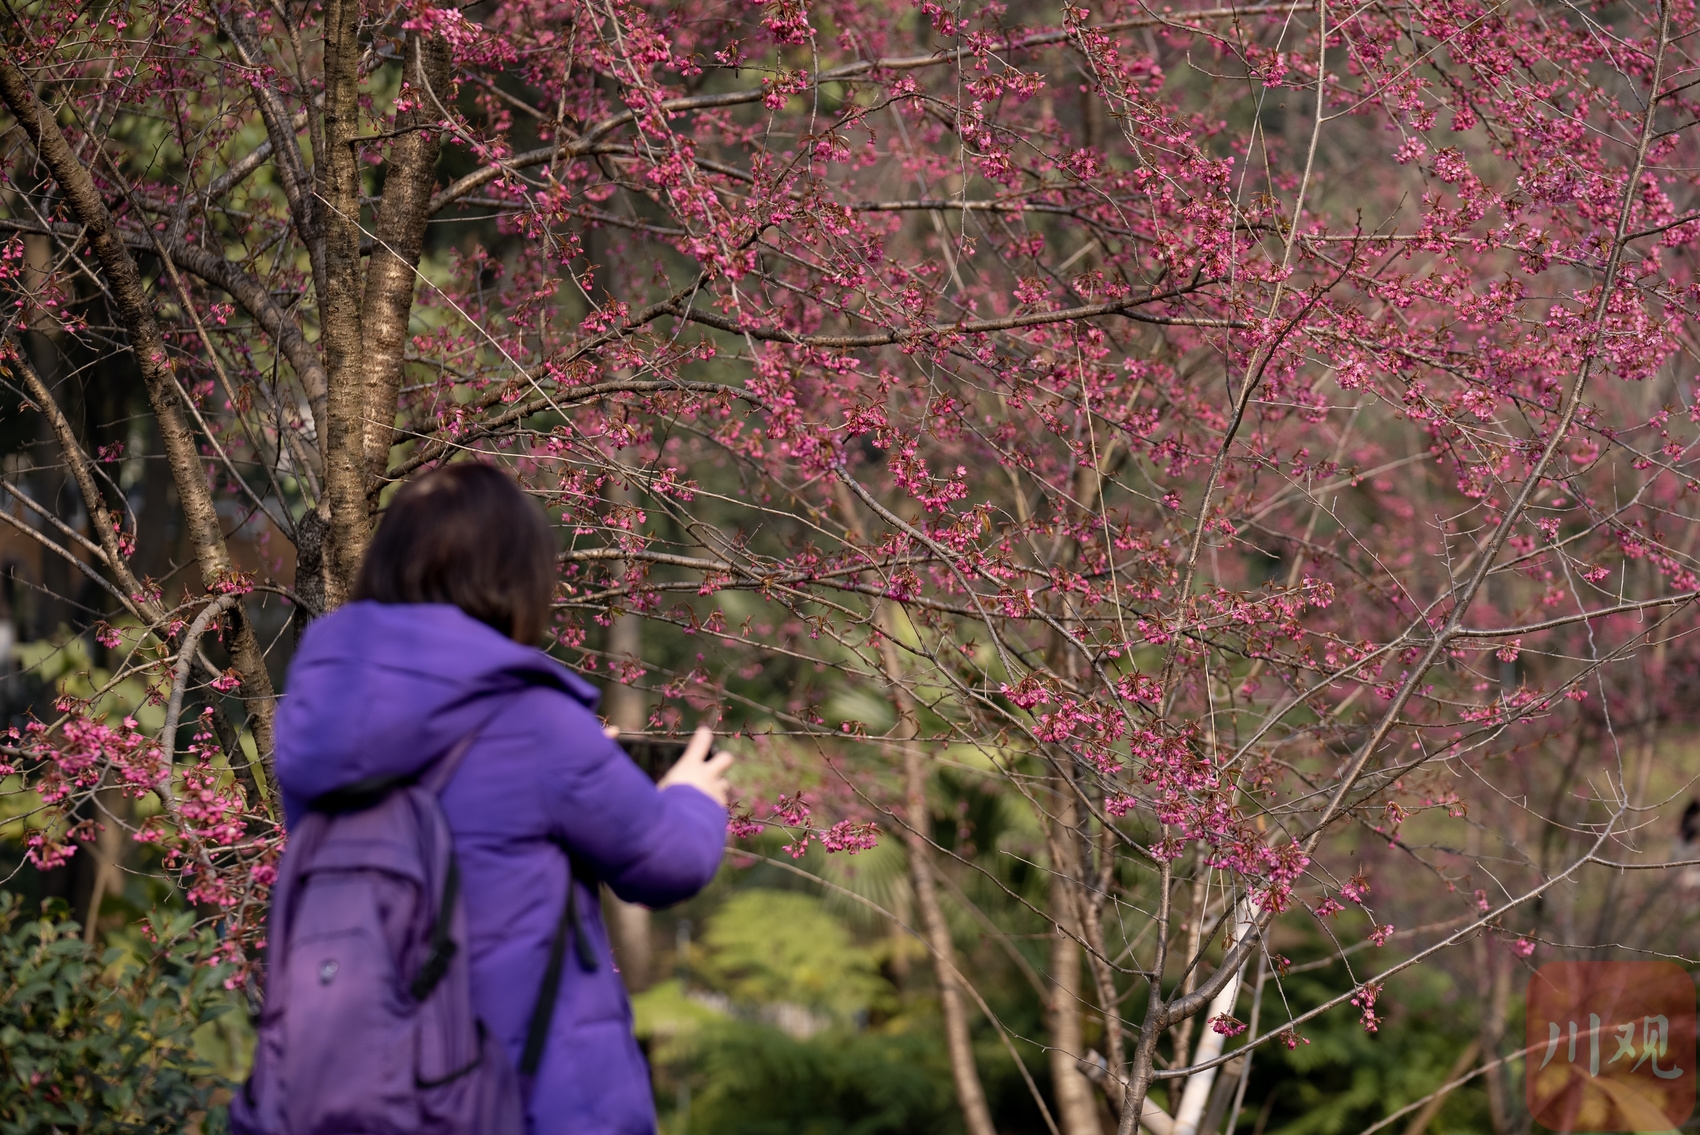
1103,974
1189,1113
107,851
1222,1095
1077,1103
917,823
970,1095
338,186
130,300
627,709
1493,970
1181,1034
399,234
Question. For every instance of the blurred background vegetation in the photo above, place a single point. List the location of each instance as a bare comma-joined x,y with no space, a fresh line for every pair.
788,998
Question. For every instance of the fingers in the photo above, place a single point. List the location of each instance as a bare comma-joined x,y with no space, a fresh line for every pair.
715,775
701,742
610,731
701,768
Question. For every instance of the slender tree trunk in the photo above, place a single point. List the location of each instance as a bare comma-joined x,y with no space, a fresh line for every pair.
1076,901
1221,1096
1493,965
970,1095
338,187
1077,1103
1132,1112
1103,974
1419,1122
1494,1001
1136,1108
107,851
1182,1032
917,823
627,708
399,235
130,299
1189,1113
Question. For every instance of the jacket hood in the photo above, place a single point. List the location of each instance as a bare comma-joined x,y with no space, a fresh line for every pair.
383,689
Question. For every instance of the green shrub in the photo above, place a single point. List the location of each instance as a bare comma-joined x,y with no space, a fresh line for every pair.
107,1043
759,1081
766,946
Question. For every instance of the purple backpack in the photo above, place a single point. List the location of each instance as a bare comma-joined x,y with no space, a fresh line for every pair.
368,1026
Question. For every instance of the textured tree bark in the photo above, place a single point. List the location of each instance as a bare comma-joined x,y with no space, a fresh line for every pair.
338,186
398,235
1077,1104
130,299
1132,1112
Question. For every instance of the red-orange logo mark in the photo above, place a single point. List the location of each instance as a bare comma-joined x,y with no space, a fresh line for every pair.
1611,1046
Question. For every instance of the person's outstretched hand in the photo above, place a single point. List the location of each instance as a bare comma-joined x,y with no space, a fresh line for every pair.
702,769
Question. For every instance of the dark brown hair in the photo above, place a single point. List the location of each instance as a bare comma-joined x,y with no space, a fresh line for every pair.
465,534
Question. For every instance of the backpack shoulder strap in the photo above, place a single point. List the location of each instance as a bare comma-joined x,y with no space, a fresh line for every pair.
443,947
436,778
543,1012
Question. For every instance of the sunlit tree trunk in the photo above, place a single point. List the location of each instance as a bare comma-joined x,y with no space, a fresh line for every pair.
970,1094
626,708
1189,1112
337,185
917,822
107,851
398,236
1077,1102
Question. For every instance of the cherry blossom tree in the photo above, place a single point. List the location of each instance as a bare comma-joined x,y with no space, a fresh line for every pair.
1257,441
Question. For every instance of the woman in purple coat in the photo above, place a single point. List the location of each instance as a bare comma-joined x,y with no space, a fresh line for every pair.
452,595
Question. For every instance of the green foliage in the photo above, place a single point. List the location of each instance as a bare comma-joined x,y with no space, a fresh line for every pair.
723,1066
761,1082
106,1043
68,665
766,947
1346,1078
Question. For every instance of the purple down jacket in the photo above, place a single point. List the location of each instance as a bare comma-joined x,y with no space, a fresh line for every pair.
381,689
